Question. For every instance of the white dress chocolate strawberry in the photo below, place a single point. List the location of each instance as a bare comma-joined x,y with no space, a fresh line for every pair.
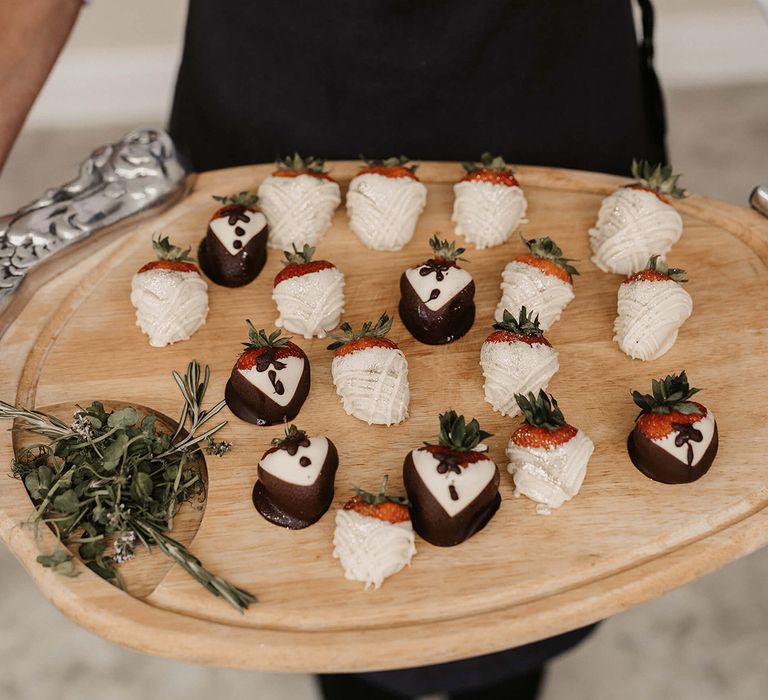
309,294
541,280
453,486
547,457
299,200
489,203
674,440
270,380
637,221
516,359
371,373
374,538
384,202
652,306
170,296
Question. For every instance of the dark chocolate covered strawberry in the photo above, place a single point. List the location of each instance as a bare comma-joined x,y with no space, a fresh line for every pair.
270,380
674,439
296,478
309,294
453,486
234,249
437,298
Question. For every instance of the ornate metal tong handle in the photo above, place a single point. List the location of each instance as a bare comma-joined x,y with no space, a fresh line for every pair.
142,171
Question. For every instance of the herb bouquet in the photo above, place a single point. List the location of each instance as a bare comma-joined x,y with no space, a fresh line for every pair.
109,482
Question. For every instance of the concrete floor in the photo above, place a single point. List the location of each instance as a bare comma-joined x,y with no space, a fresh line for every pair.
705,641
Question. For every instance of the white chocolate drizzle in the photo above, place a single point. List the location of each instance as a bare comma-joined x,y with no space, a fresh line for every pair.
487,213
170,304
631,226
299,209
542,294
310,304
649,316
370,549
515,368
383,210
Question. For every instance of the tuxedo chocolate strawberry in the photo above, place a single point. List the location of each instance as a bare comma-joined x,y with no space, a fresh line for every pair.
637,220
374,537
547,456
541,280
309,294
234,249
170,296
384,202
299,200
437,298
675,439
371,373
296,478
453,486
651,308
270,380
489,203
516,359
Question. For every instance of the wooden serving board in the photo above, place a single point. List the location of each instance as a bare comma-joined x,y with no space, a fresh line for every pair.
624,539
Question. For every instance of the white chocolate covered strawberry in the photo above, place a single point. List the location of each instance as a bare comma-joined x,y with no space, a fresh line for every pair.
384,202
547,457
309,294
516,358
371,373
651,308
170,296
541,280
374,538
637,220
489,203
299,200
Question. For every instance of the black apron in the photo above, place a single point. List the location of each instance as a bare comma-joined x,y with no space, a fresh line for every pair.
538,81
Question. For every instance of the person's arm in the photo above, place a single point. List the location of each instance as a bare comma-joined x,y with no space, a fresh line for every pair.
32,34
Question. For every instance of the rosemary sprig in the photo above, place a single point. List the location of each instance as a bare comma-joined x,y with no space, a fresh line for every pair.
112,480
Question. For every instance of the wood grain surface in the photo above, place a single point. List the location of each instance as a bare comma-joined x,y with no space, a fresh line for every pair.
622,540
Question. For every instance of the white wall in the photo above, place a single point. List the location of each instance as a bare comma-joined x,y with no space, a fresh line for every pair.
121,62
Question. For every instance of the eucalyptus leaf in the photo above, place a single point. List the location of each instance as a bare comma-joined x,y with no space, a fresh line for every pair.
124,418
66,502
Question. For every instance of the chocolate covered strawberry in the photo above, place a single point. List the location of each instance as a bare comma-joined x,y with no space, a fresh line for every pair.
637,220
516,359
437,298
298,199
296,478
453,486
371,373
489,203
170,296
384,202
675,439
374,537
270,380
541,280
547,456
309,294
234,249
652,306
